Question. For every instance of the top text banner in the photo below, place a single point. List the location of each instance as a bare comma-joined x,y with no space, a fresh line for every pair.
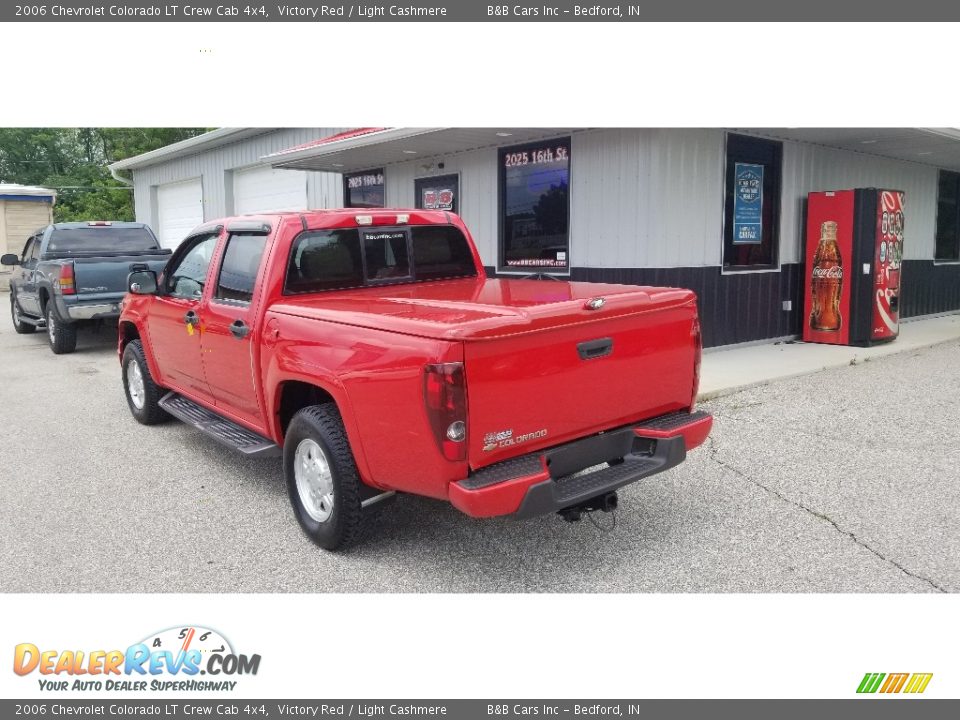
470,10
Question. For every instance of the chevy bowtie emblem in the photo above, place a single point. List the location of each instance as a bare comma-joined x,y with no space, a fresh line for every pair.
595,303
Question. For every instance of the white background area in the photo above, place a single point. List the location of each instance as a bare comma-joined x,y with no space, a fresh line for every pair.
523,74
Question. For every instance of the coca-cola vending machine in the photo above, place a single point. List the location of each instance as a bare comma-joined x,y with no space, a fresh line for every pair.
853,252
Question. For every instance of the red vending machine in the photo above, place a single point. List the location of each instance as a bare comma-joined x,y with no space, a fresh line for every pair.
853,252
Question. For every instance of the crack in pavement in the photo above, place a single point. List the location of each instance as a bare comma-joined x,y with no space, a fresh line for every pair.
713,451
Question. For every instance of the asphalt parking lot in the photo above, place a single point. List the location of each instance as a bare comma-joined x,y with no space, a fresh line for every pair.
843,481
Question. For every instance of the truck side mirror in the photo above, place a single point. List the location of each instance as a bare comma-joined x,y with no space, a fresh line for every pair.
9,259
142,282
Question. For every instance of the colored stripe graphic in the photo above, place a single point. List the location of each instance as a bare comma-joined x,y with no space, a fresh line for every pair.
870,682
894,682
918,683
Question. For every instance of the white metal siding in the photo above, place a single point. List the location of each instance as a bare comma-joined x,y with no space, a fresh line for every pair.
646,198
214,166
263,189
808,168
478,192
179,210
640,197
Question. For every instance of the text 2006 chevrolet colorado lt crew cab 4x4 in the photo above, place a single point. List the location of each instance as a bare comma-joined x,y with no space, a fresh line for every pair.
369,349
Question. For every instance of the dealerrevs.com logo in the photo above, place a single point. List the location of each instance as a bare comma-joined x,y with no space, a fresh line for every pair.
172,659
892,683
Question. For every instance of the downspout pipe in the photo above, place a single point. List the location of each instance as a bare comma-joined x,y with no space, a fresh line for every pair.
119,178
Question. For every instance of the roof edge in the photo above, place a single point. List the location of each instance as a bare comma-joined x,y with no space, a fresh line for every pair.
290,156
10,191
220,136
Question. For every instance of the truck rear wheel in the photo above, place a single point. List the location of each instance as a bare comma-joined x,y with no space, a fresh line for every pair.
62,335
143,394
21,327
322,478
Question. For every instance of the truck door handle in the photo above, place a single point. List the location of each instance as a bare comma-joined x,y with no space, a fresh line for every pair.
239,329
595,348
190,318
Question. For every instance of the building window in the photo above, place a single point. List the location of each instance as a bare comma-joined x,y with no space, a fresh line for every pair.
363,189
948,217
438,193
535,206
751,228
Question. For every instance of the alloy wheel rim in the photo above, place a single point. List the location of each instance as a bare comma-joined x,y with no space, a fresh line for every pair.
16,313
135,384
51,327
314,479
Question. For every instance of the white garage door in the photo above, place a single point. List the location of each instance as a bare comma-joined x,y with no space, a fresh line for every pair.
179,210
266,190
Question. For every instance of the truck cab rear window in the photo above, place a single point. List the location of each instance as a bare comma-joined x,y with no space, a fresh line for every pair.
82,241
335,259
441,251
386,254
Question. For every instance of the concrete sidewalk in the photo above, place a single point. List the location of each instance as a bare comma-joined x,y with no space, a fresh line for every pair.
727,371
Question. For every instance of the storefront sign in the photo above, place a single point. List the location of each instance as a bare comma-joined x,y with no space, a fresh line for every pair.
748,204
434,199
365,180
438,193
537,156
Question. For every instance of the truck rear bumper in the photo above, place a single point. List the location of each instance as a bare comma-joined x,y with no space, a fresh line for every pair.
571,474
93,312
99,308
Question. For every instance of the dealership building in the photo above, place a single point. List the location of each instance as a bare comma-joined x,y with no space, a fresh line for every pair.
634,205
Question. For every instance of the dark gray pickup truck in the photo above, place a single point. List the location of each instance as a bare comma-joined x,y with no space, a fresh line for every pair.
75,272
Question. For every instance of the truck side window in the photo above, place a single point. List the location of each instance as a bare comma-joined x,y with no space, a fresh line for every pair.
238,271
325,260
28,249
188,277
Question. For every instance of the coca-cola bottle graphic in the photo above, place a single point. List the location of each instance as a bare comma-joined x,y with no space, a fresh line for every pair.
826,281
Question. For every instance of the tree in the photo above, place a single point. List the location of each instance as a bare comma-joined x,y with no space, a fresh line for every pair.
551,210
73,161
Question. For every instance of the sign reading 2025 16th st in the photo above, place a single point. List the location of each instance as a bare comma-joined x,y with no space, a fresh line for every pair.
748,204
167,660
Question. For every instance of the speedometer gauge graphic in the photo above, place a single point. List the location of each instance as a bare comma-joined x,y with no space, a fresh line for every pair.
190,637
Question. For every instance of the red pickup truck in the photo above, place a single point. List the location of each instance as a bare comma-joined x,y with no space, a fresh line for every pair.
369,350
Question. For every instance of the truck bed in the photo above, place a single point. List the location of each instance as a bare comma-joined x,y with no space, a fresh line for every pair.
541,367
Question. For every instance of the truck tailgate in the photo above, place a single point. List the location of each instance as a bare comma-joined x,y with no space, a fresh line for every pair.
530,391
108,275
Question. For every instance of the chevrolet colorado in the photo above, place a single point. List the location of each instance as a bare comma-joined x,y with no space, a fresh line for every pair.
370,351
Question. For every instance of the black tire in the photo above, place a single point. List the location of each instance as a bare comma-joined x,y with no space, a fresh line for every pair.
61,335
150,412
21,327
323,425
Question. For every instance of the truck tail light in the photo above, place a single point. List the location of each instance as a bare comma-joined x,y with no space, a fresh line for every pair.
66,280
445,397
697,356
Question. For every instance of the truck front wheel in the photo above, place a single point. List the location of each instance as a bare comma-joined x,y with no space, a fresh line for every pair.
62,335
21,327
143,394
322,478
